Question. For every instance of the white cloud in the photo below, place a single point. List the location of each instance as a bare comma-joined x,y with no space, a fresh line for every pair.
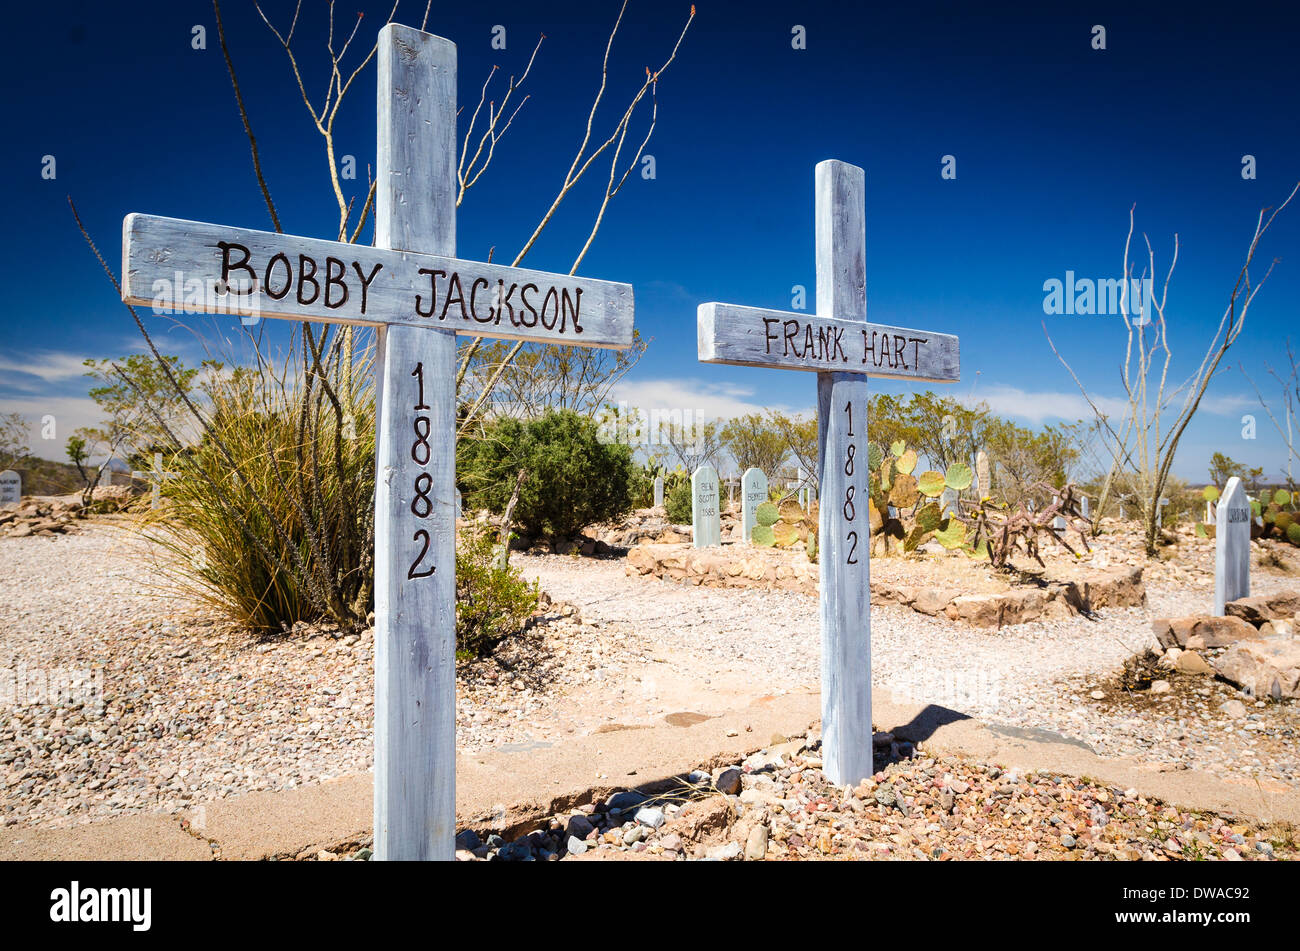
69,414
1038,406
707,400
49,366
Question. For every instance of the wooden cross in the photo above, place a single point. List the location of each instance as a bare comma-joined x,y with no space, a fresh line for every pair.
843,349
159,477
418,297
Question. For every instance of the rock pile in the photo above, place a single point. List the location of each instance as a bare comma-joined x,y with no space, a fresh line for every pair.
1261,652
778,805
37,516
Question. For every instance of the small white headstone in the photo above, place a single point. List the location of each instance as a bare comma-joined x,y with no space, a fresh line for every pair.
948,503
659,491
706,520
1058,523
1085,507
983,478
11,487
1160,511
753,493
1232,547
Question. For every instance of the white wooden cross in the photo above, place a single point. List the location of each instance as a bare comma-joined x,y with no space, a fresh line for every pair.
159,477
418,297
843,349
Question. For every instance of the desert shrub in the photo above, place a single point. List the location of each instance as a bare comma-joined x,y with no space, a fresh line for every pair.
493,601
574,479
677,501
270,522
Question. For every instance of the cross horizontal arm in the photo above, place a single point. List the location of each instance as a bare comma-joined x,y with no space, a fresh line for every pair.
757,337
189,266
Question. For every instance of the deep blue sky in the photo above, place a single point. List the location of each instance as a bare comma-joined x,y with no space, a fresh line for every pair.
1053,143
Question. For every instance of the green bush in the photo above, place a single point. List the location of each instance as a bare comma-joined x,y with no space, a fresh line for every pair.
677,500
574,479
492,601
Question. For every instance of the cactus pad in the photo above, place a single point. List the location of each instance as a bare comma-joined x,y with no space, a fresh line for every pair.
1211,493
907,461
904,494
958,476
762,535
931,484
952,534
766,514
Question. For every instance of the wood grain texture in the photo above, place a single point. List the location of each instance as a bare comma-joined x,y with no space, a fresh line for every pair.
760,337
415,525
1231,546
843,527
336,282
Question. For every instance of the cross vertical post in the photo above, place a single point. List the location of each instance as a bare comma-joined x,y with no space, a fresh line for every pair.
844,534
415,460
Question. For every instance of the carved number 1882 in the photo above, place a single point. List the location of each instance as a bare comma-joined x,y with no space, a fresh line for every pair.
421,504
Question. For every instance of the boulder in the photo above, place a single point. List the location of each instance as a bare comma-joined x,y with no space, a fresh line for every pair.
1265,607
1201,632
933,601
1264,668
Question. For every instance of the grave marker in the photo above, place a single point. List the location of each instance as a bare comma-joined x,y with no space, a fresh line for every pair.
984,480
753,493
159,477
706,520
1160,511
1085,508
1058,523
1232,546
11,487
1210,512
842,348
659,491
419,297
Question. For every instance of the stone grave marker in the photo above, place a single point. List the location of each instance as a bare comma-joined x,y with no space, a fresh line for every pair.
706,520
753,493
842,348
419,297
159,477
11,487
1058,523
1085,507
659,491
983,480
1160,511
1232,546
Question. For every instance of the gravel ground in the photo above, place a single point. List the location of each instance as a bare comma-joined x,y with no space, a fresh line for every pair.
195,709
777,805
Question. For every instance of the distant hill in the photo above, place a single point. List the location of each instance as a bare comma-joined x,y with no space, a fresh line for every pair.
45,477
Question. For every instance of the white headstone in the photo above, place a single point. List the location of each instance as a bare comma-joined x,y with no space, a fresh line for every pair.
948,503
983,478
11,487
1232,546
706,520
419,297
659,491
1085,507
1160,511
753,493
842,348
1058,523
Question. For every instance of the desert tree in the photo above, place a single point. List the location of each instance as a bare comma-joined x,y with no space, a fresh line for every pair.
1157,410
1288,382
756,441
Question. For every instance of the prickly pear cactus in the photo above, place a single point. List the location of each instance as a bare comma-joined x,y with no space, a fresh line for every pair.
900,504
